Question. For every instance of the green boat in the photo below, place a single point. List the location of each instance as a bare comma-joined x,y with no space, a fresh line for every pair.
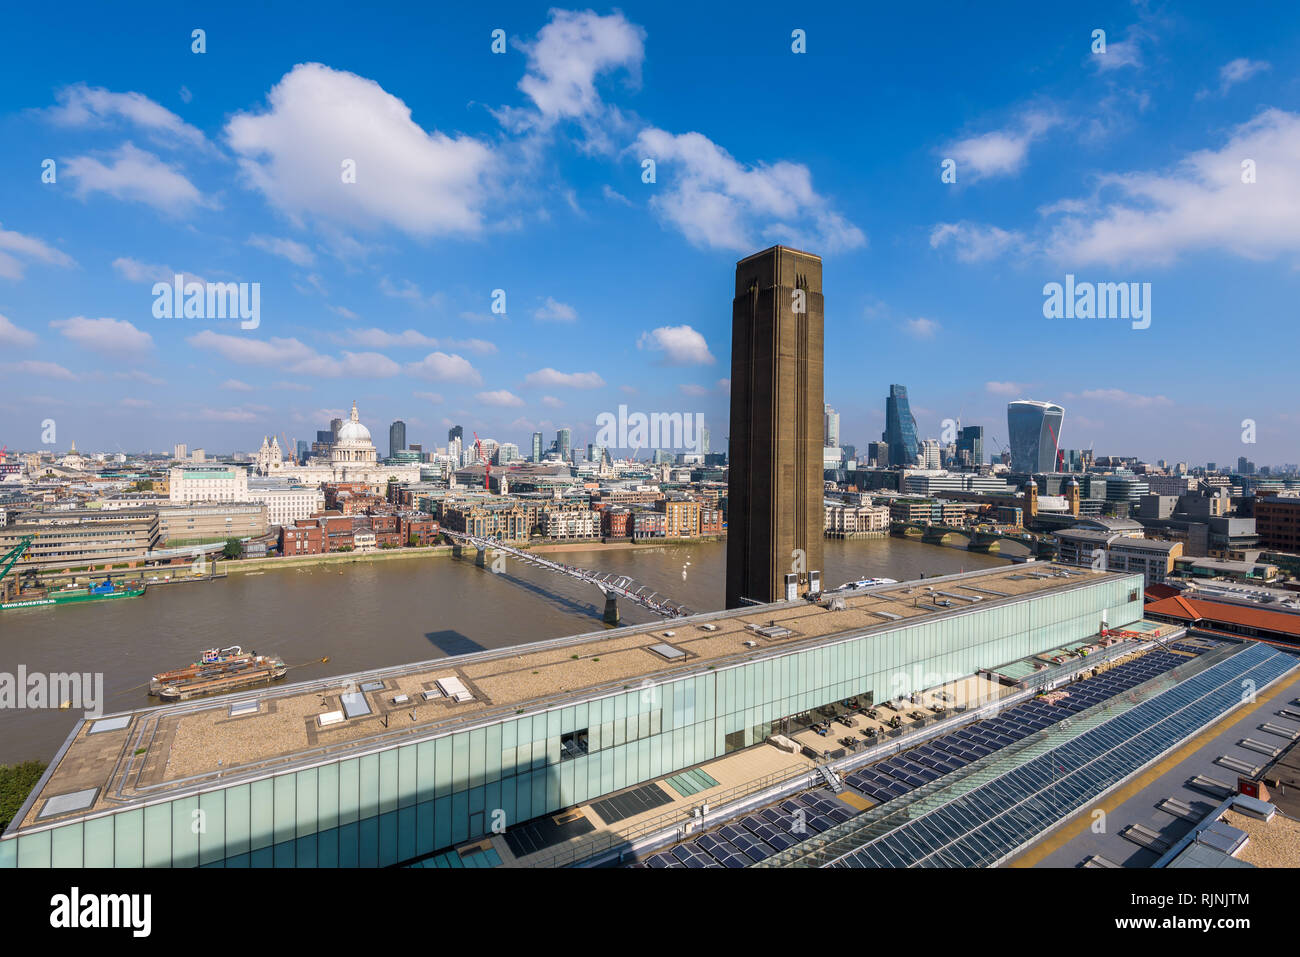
66,596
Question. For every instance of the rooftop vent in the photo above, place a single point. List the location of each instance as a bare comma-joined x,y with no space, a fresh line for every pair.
454,689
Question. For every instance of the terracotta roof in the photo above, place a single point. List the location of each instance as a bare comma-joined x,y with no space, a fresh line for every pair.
1195,609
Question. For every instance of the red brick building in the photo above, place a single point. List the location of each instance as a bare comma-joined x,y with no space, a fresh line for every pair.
616,523
305,537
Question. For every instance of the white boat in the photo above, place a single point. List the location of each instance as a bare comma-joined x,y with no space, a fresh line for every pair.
866,583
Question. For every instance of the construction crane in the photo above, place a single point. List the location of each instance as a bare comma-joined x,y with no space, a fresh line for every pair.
2,454
11,556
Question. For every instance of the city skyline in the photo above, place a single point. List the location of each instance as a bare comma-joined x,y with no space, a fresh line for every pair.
1078,165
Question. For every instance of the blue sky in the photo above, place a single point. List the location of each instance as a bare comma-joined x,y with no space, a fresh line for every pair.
522,171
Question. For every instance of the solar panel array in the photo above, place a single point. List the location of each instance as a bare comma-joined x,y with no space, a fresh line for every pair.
904,772
986,824
787,824
759,835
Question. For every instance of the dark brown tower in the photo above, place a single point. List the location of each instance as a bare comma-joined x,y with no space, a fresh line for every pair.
775,513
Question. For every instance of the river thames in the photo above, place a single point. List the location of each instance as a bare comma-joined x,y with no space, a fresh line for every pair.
375,614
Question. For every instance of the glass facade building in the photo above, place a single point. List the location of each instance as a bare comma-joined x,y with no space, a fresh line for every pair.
396,438
900,428
384,804
1034,433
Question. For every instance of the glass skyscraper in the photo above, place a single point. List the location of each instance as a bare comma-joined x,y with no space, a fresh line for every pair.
396,438
900,428
1035,434
971,440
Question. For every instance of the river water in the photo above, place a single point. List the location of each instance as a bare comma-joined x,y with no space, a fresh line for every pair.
373,615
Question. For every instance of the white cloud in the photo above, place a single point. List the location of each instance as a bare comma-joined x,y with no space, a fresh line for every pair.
113,336
227,415
422,183
295,252
1239,71
556,311
550,378
681,345
1200,204
614,195
920,328
974,242
135,403
136,175
565,60
138,376
84,106
137,271
1005,388
441,367
383,339
234,385
717,202
434,397
500,398
364,365
1121,53
1120,396
570,52
14,336
1000,152
296,356
48,370
406,290
252,351
14,245
551,402
694,390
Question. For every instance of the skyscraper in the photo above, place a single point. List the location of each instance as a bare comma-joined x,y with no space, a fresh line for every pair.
832,428
563,443
971,441
537,446
1034,435
396,437
456,432
900,428
335,425
774,506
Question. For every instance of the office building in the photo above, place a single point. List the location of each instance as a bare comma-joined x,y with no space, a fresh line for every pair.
900,428
180,451
396,437
1151,558
456,434
1035,434
564,444
832,424
537,447
774,510
970,446
930,454
1277,522
224,484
